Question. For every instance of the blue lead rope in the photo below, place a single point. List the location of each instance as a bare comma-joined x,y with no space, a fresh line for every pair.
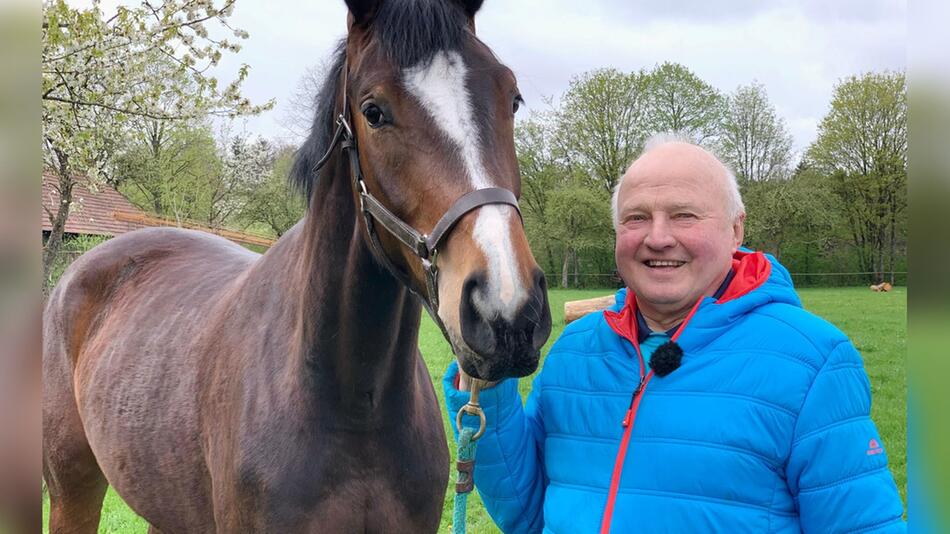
465,481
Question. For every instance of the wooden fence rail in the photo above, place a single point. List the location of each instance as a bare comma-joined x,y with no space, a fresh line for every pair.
151,220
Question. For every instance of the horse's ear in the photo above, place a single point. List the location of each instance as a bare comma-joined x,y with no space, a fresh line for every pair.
471,7
361,11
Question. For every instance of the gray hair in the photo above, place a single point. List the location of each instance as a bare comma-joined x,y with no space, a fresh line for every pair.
736,207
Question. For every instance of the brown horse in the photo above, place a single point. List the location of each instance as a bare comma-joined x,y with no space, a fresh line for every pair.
221,391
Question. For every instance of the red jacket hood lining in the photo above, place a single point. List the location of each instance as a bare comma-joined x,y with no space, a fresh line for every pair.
751,270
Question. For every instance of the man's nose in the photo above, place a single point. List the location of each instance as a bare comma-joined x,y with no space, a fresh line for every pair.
659,235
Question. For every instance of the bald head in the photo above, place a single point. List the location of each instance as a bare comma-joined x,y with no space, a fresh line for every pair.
679,221
669,156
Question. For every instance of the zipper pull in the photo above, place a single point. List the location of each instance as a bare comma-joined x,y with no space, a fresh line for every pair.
633,398
638,390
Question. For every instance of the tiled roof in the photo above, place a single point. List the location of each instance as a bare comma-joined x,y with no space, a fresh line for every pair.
106,212
92,210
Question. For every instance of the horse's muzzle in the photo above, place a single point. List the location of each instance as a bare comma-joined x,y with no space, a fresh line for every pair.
504,348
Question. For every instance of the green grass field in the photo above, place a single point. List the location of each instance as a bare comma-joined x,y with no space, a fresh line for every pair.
876,323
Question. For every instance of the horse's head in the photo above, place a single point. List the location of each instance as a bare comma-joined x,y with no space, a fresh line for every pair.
432,113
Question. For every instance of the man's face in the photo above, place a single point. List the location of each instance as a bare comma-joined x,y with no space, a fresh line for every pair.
676,236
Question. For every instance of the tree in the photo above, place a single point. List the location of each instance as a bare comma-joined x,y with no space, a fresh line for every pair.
782,213
566,213
166,165
301,106
272,202
599,124
540,175
583,216
149,61
679,101
246,166
753,140
862,146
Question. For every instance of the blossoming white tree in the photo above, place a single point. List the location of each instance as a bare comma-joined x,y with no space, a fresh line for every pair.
99,72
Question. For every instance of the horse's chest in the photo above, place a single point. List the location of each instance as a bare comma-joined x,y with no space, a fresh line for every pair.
369,506
386,481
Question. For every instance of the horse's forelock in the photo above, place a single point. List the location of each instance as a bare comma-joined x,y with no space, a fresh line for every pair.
410,33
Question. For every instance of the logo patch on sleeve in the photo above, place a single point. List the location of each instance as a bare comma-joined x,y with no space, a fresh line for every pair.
874,447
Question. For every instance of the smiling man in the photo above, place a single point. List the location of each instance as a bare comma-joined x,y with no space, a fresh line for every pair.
705,400
679,221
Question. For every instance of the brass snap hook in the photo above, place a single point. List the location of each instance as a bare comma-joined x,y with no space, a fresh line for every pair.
472,408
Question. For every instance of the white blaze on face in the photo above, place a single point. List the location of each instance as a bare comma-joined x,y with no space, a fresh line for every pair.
441,89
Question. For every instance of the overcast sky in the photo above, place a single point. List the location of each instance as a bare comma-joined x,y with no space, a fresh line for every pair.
798,50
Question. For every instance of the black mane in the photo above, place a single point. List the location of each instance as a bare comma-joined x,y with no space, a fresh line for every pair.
408,32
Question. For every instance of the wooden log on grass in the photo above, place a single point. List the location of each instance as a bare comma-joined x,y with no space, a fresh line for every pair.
576,309
883,287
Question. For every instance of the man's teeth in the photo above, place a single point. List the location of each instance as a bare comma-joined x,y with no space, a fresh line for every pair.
664,263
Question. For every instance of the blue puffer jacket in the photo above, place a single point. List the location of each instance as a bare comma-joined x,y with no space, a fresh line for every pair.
764,427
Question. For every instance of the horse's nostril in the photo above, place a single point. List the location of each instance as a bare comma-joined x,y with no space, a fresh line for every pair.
476,331
506,347
543,326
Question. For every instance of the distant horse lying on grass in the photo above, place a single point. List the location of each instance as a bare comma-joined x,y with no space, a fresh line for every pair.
221,391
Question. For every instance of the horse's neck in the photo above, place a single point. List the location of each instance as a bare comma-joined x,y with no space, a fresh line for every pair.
358,327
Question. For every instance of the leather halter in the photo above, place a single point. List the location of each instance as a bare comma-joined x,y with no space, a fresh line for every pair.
425,247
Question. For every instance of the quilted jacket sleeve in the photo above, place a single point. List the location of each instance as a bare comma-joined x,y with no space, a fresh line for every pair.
509,472
837,468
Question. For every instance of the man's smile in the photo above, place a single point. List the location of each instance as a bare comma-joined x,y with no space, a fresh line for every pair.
664,264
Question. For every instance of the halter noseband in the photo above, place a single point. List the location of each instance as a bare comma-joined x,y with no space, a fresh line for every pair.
425,247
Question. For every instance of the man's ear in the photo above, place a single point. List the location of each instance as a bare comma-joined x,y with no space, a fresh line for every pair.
738,229
361,11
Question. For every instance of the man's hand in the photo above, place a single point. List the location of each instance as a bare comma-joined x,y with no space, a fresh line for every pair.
465,382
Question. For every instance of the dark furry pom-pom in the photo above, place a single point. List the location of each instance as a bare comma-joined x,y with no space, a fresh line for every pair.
666,358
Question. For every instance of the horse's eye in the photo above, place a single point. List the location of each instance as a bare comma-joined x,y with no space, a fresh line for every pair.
516,104
374,115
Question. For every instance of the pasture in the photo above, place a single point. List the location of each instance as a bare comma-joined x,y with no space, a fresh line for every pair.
875,322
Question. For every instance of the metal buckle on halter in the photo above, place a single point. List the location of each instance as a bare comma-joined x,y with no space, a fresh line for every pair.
422,248
428,263
432,277
363,193
341,121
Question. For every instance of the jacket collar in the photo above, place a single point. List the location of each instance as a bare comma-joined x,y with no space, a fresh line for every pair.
644,331
749,271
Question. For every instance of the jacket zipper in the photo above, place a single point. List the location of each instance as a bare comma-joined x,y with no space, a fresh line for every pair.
631,416
627,424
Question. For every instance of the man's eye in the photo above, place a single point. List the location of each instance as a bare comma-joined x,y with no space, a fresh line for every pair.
684,216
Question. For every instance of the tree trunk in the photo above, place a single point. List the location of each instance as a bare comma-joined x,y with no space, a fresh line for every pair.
576,269
893,237
880,245
550,255
866,252
58,221
565,266
880,234
806,280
